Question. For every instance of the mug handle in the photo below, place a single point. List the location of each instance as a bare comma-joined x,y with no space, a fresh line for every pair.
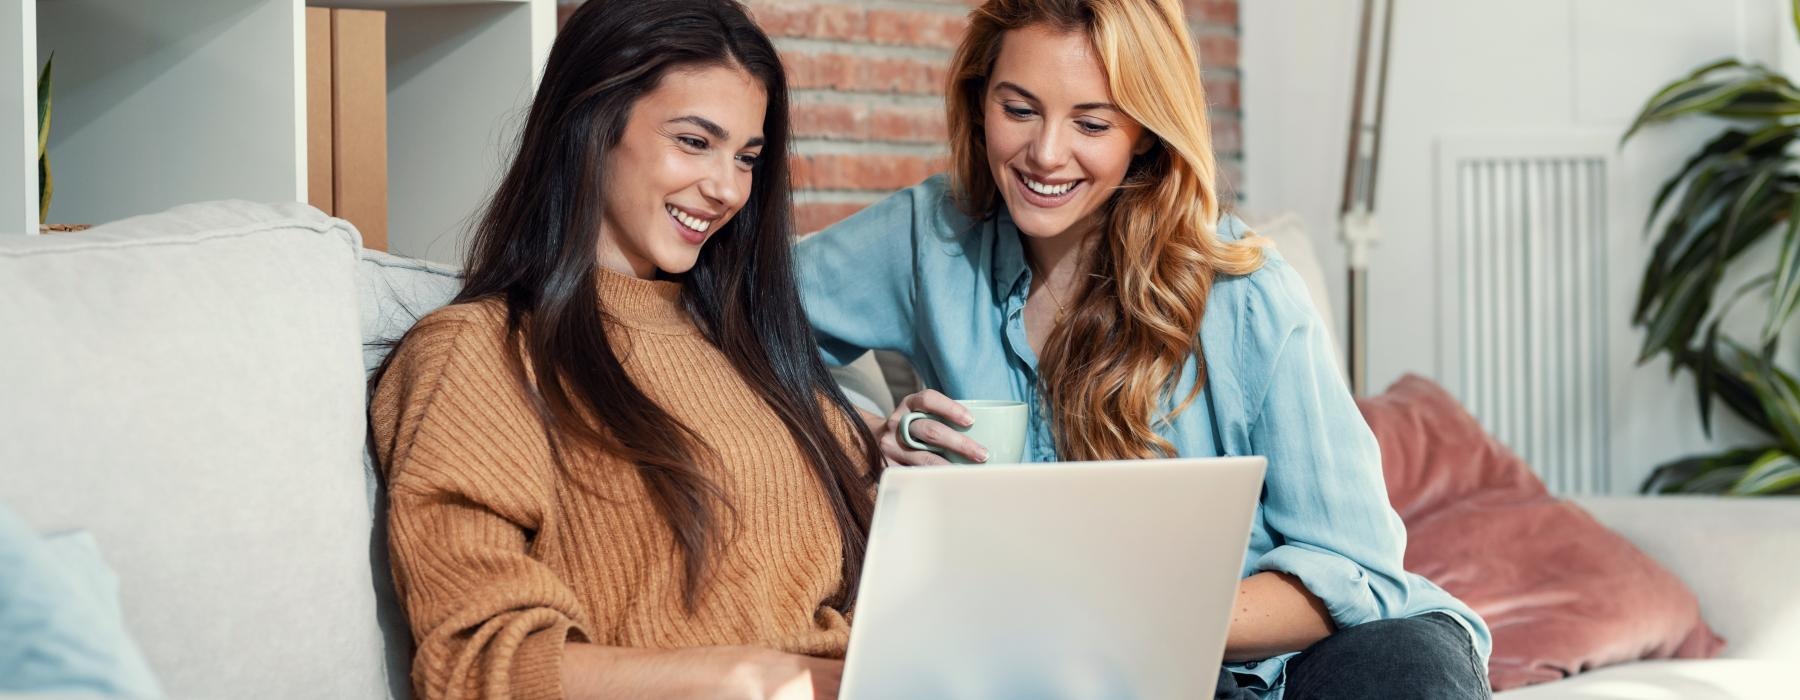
906,437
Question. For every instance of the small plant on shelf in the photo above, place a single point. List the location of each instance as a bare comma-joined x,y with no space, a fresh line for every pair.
46,185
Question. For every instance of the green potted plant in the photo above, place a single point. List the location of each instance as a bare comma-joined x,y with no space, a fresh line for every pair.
1741,188
46,185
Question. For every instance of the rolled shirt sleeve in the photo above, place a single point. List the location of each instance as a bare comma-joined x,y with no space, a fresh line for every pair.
1326,502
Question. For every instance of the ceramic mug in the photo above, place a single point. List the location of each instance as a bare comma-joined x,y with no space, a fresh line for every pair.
999,426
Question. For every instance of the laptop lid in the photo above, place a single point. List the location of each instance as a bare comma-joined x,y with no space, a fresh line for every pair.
1065,580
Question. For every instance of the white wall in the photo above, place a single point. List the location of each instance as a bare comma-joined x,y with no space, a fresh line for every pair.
1490,67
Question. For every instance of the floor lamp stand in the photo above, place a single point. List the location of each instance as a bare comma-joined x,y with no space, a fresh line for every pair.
1361,163
1359,235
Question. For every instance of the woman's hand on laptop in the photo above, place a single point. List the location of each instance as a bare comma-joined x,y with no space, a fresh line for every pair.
930,432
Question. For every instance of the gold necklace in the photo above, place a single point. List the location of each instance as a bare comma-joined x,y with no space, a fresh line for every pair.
1051,290
1060,309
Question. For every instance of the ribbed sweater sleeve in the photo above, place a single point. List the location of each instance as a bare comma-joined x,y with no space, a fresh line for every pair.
471,483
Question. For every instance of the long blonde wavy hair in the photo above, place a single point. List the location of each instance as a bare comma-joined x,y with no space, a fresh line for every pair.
1113,360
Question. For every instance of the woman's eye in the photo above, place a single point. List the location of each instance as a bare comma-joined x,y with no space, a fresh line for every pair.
695,143
1094,127
749,159
1016,112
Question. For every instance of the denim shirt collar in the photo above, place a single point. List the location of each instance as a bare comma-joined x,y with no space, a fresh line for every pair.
1012,276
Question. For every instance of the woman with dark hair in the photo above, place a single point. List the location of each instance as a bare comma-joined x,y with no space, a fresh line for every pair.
616,463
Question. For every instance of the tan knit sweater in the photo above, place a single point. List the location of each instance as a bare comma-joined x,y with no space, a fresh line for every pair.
498,560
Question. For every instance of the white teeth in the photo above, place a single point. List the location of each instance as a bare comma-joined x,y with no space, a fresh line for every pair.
696,224
1049,190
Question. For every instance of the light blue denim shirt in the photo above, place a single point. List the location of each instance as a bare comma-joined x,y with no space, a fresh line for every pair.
913,275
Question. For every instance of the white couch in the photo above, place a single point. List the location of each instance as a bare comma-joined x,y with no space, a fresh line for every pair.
1740,556
189,387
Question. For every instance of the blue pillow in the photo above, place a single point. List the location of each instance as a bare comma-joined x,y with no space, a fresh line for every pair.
61,629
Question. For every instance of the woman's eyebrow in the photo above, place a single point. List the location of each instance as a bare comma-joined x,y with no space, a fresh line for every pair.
1034,98
716,131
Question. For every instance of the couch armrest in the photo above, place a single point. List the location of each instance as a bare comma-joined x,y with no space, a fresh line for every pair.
1741,557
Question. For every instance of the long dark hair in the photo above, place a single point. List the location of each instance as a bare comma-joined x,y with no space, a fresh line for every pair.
536,245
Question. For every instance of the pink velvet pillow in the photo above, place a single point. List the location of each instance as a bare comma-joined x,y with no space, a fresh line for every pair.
1561,593
1435,455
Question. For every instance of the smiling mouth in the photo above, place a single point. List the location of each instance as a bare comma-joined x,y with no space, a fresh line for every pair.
1044,193
693,223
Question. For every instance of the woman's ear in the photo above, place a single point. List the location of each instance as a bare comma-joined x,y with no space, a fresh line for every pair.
1145,141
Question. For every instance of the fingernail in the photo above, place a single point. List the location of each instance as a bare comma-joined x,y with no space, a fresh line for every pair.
984,455
967,420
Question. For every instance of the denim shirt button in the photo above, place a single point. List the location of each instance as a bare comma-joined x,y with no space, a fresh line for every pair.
1252,664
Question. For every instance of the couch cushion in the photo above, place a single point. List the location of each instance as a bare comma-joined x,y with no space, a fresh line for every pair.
1561,593
396,292
187,387
60,625
1714,679
1741,557
1435,455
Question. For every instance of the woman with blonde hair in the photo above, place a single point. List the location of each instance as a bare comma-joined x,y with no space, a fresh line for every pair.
1075,257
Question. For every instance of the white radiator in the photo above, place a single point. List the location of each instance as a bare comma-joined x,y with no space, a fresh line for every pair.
1522,284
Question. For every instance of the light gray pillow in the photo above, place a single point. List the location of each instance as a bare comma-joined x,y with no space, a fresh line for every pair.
61,630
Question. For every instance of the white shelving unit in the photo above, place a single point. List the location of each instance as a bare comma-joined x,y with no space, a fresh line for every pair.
18,123
157,104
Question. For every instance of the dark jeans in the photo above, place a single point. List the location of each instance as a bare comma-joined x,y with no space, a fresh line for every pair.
1427,657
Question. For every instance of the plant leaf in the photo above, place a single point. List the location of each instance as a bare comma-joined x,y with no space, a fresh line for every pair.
1692,221
43,111
1723,89
1679,475
1701,209
1765,100
1704,376
1700,99
46,189
46,184
1681,312
1732,385
1674,321
1656,274
1772,473
1730,141
1716,481
1786,294
1675,91
1780,395
1705,364
1774,137
1740,207
1705,367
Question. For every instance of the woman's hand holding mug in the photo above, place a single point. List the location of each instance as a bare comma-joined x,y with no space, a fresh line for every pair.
930,428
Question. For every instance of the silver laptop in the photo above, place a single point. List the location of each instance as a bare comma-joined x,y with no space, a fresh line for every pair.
1068,580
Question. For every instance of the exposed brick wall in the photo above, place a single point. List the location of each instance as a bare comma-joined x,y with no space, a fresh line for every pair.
867,78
